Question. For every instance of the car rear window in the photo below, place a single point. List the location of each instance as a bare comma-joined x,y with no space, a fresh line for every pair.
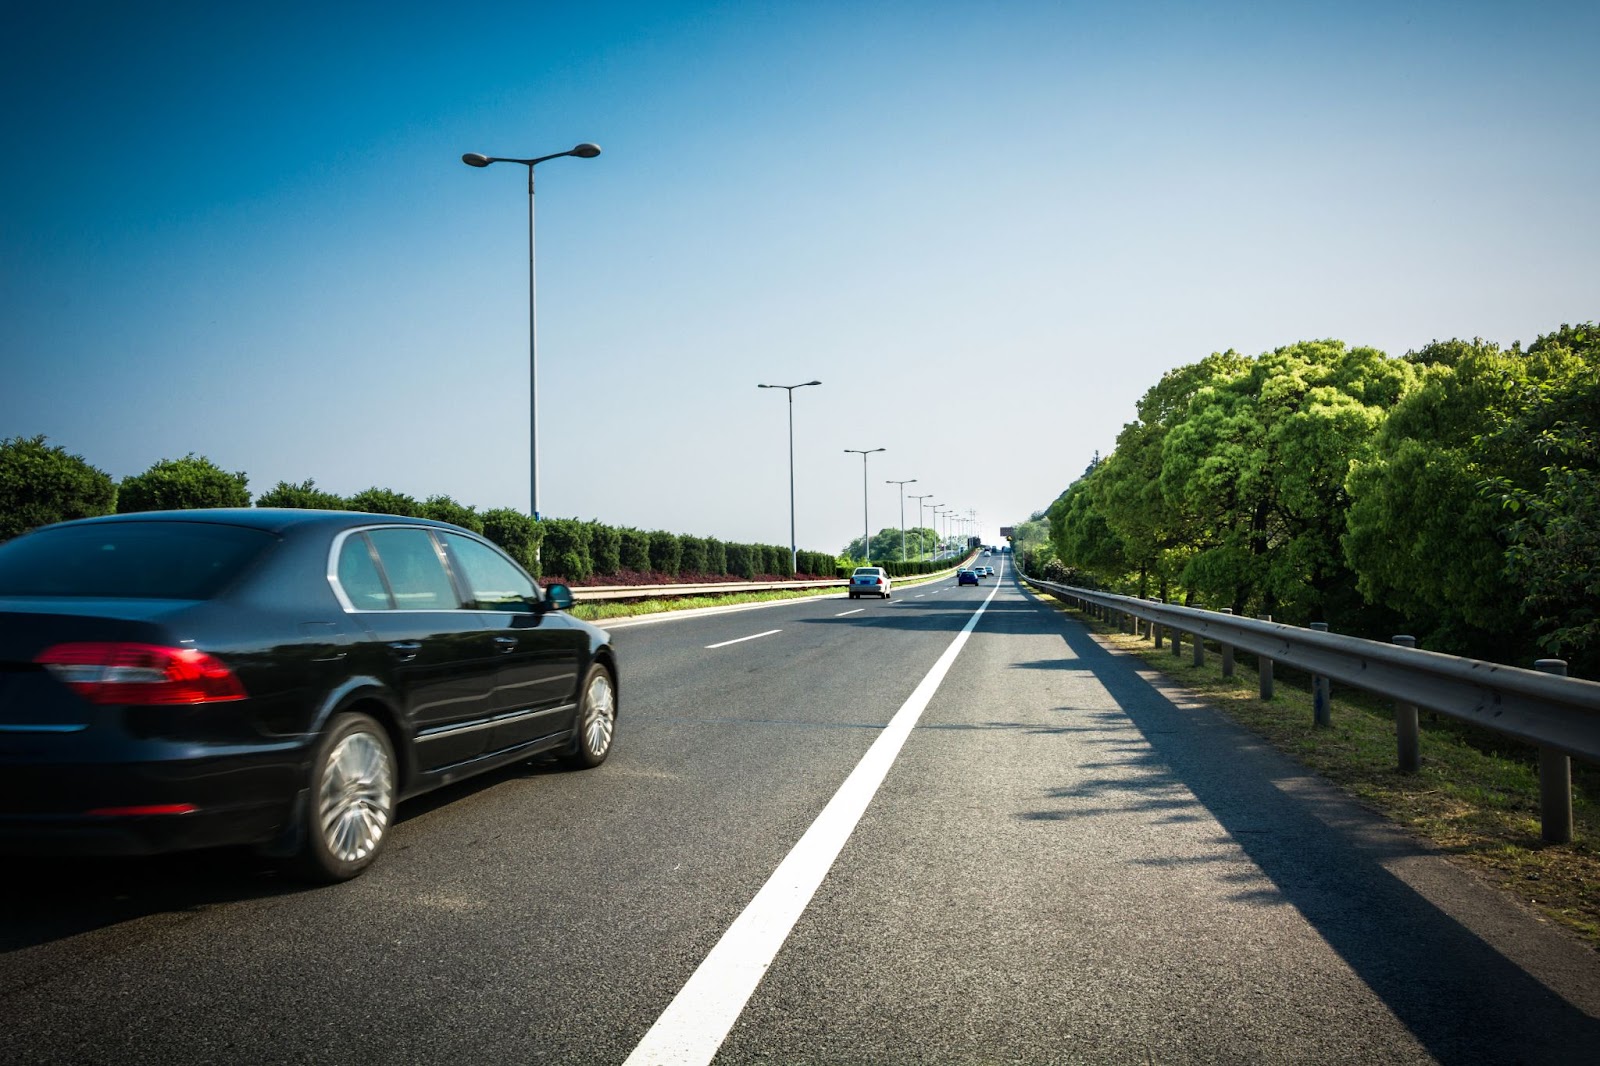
130,560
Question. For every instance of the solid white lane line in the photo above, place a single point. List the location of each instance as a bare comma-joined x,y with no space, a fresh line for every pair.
741,640
697,1021
858,610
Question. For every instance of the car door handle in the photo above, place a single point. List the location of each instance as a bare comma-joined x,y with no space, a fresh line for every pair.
405,650
506,643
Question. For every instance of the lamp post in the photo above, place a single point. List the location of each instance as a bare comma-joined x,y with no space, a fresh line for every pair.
794,551
939,511
474,159
919,499
866,532
902,484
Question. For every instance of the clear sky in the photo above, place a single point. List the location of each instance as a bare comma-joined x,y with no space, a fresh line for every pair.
245,231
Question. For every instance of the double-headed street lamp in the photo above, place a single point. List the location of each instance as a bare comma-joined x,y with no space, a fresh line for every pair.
474,159
866,531
902,484
939,511
919,499
794,552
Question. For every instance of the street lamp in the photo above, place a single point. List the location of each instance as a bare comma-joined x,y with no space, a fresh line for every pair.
902,484
474,159
939,511
919,499
794,551
866,531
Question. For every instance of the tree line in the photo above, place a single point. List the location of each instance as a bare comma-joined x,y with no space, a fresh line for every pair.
1452,493
42,483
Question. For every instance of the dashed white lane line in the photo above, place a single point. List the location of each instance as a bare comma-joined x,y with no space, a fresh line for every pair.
741,640
697,1021
858,610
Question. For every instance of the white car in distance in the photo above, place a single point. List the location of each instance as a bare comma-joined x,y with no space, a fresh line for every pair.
869,581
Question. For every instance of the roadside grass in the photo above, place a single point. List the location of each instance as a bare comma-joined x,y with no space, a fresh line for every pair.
601,610
1476,797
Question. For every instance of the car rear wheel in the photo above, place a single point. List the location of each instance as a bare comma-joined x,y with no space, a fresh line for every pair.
351,801
596,724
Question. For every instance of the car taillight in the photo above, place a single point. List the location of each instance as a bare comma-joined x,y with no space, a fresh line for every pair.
141,674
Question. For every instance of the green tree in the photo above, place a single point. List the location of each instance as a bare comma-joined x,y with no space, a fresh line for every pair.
385,501
516,534
304,495
634,550
181,484
666,553
445,509
40,484
564,551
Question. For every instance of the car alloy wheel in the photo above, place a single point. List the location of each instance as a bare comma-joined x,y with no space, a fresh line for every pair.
597,719
352,798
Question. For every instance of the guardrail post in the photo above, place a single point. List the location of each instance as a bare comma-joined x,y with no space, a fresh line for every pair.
1555,778
1155,626
1199,648
1177,642
1227,649
1407,735
1321,692
1266,667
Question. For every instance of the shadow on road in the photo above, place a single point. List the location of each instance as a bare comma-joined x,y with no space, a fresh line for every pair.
44,899
1463,1000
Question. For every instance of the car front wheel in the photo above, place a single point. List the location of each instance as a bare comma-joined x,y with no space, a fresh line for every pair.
351,801
596,724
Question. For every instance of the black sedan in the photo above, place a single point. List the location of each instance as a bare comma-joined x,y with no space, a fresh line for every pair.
966,577
282,678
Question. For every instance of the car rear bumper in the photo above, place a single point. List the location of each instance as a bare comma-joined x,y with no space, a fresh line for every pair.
146,808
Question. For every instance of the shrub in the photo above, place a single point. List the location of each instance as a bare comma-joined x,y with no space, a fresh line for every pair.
665,553
565,549
181,484
691,555
605,547
716,556
741,561
517,535
445,509
40,485
305,495
385,501
635,550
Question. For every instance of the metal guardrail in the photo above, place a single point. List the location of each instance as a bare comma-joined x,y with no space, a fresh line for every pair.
1559,715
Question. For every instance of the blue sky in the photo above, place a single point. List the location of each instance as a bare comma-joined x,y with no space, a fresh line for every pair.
246,232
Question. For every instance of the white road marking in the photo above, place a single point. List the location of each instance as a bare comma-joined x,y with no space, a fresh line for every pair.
858,610
741,640
698,1019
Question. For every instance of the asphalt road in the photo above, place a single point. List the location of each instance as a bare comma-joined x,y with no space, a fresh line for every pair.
1037,854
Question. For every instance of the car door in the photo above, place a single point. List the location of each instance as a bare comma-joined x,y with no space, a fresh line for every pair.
439,658
538,652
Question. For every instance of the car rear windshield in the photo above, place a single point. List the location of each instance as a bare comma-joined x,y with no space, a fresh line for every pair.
130,560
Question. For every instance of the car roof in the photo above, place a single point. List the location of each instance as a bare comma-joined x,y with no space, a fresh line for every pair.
270,519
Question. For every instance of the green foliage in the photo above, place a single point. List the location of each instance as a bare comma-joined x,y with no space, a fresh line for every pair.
445,509
517,534
41,484
775,560
304,495
181,484
385,501
716,556
691,555
741,562
605,547
565,549
666,553
634,553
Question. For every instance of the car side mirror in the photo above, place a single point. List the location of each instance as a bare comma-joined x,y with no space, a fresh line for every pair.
558,597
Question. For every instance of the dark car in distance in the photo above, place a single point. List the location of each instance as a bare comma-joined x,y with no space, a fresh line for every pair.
282,678
966,577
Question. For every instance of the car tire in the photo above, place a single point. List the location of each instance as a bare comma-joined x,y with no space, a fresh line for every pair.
350,804
595,727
